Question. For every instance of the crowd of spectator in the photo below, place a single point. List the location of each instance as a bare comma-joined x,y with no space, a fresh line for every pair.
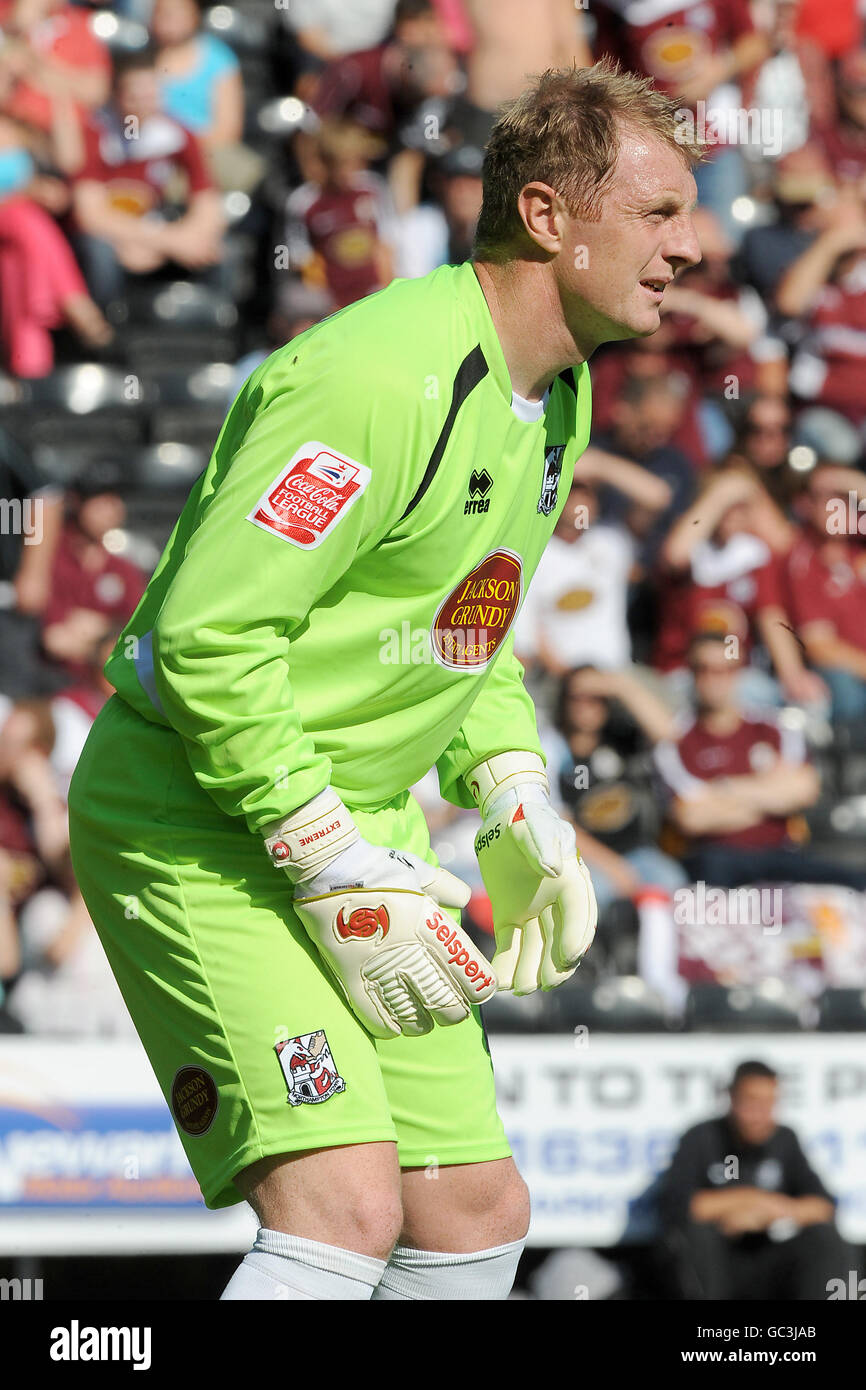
695,637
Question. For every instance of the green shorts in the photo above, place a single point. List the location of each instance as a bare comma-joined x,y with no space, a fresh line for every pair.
254,1048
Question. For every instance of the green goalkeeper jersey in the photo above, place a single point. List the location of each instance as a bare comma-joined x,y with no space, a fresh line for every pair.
337,599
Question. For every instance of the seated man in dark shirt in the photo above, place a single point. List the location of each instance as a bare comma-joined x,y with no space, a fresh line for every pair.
744,1213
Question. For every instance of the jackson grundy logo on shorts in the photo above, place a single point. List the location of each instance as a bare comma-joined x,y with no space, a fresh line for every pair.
309,1068
194,1100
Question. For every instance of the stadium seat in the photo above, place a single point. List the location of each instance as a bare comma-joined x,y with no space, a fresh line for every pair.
189,404
139,548
848,818
177,322
204,386
829,768
10,390
182,305
246,30
87,404
182,425
63,463
838,831
621,1004
239,263
236,206
151,349
506,1013
118,33
282,116
151,517
853,774
167,469
842,1011
771,1006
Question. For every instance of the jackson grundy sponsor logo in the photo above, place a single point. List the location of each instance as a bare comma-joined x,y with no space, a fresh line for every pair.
194,1100
483,605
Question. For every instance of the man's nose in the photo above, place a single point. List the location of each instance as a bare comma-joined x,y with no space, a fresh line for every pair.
684,248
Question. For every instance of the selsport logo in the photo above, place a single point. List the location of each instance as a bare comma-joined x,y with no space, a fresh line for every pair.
474,620
310,496
363,923
457,948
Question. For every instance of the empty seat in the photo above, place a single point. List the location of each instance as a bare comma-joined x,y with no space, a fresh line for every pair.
62,462
200,386
118,33
139,548
771,1006
190,404
153,516
181,304
85,404
10,390
183,425
246,30
506,1013
842,1011
621,1004
167,469
148,349
282,116
853,774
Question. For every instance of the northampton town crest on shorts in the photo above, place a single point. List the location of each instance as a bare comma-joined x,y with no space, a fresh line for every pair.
550,482
309,1068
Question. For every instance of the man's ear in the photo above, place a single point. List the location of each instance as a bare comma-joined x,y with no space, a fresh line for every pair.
538,207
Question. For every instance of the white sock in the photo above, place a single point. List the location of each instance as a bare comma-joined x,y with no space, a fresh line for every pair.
288,1267
427,1274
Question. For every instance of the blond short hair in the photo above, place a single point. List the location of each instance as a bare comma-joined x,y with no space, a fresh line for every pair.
564,130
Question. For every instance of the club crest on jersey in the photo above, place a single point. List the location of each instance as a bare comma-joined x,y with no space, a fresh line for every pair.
550,481
310,496
309,1068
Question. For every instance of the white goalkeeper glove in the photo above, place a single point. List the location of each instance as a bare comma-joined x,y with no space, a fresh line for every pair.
544,908
373,913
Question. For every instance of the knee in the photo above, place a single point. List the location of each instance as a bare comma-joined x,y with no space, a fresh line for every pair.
472,1206
373,1221
335,1204
368,1222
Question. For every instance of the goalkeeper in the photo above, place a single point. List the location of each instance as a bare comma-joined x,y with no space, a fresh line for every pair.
241,829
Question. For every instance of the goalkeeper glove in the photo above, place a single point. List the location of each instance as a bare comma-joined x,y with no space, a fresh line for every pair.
399,959
544,908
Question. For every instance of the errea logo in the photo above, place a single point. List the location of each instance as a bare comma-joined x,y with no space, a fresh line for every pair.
479,486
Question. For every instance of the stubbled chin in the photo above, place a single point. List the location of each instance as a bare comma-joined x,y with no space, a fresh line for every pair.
651,323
